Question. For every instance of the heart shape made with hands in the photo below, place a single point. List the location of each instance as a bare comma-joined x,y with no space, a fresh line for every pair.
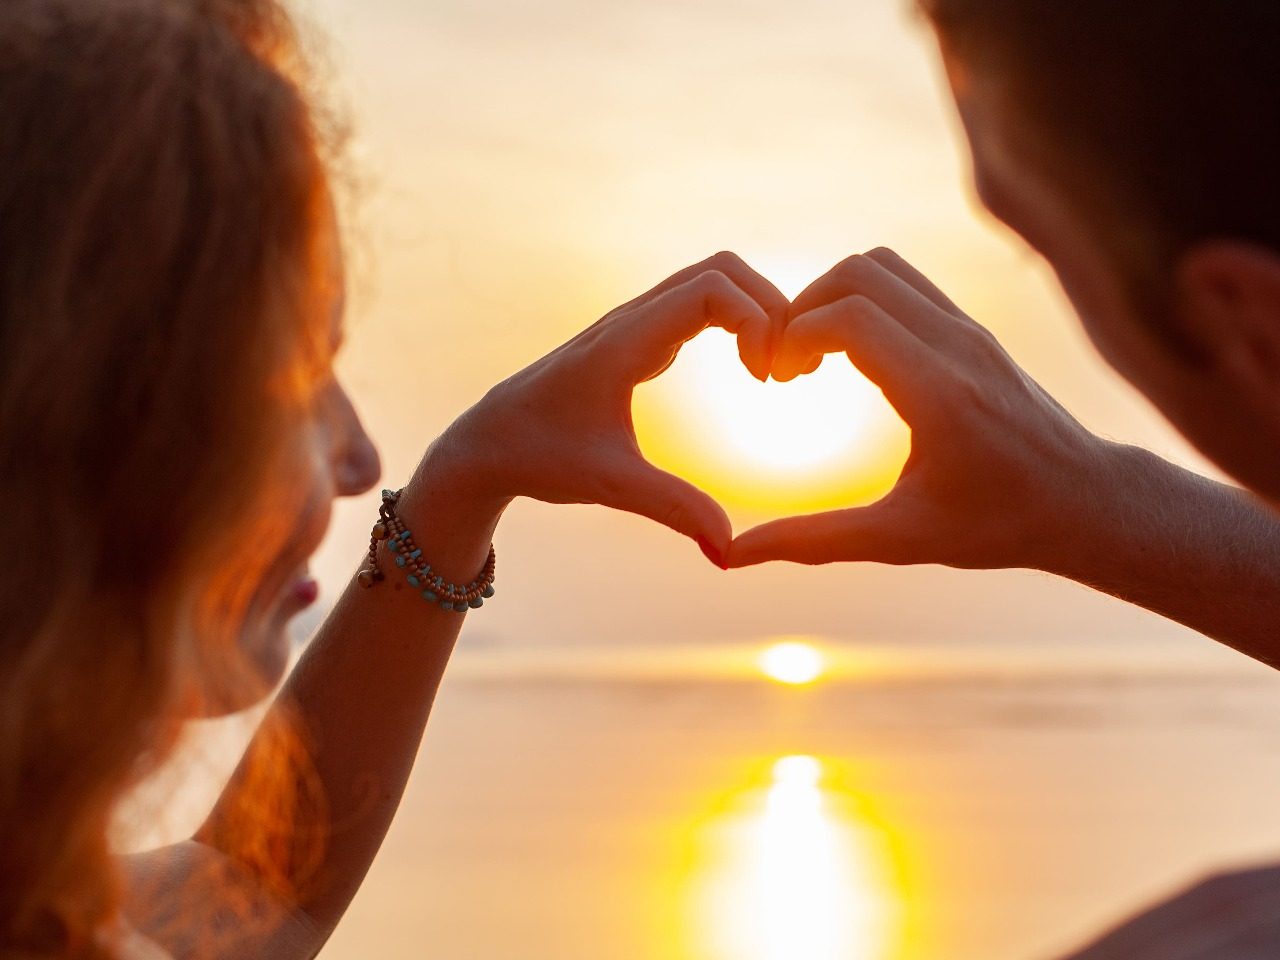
826,439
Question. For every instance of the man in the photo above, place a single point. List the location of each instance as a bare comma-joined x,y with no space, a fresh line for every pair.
1136,147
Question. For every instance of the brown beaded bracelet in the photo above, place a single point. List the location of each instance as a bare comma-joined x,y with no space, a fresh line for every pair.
390,529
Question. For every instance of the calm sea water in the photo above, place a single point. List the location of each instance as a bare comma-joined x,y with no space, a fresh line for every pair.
980,816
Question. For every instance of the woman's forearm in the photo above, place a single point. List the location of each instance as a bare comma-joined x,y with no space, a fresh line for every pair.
1199,552
360,697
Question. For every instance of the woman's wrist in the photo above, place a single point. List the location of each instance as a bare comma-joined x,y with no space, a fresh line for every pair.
451,513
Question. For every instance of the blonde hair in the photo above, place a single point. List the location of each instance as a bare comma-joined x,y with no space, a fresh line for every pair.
162,191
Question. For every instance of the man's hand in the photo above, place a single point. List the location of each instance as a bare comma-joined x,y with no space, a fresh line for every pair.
998,469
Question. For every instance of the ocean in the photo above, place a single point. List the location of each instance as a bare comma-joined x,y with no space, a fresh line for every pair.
973,813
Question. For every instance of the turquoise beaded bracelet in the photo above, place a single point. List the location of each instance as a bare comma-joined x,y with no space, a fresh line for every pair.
390,529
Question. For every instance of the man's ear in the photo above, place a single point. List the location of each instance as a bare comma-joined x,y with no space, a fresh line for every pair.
1229,305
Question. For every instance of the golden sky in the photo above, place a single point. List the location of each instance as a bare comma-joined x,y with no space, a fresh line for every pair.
521,168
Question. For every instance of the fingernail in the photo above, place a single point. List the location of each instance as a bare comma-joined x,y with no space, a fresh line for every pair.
712,554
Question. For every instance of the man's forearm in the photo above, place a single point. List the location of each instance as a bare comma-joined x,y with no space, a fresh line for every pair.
1199,552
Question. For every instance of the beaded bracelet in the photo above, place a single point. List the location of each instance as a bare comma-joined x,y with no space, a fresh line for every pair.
390,529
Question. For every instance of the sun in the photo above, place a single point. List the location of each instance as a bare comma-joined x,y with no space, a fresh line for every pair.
793,662
782,427
825,439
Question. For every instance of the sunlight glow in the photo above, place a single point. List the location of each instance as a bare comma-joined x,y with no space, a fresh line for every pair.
798,771
793,875
823,439
791,426
793,662
791,271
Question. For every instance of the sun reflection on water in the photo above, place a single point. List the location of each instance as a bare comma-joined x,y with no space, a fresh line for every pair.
793,871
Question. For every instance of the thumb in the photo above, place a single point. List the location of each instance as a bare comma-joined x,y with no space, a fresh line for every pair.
873,533
641,488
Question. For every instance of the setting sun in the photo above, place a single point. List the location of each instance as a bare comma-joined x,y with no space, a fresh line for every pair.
793,662
821,440
781,426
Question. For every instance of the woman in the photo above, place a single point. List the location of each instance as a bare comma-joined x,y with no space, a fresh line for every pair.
173,439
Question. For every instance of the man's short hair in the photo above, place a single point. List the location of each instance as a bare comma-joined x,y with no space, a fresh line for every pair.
1162,114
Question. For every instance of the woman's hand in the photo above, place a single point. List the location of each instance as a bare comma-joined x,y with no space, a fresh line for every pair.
999,471
561,431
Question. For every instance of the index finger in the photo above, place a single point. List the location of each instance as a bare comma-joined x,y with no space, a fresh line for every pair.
903,366
757,341
655,331
892,261
866,276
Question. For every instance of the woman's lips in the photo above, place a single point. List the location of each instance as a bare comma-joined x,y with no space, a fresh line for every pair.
305,590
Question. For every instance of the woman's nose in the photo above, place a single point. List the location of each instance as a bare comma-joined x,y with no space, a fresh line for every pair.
358,466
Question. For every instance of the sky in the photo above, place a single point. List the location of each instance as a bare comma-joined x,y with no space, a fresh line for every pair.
515,170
